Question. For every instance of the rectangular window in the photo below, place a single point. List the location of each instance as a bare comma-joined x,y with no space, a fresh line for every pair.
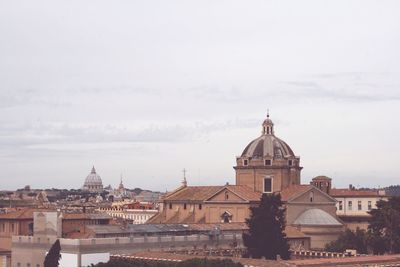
200,207
170,206
184,206
340,205
245,162
267,185
369,205
12,228
290,162
350,204
359,205
268,162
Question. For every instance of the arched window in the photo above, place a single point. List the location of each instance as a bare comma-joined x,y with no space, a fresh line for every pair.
226,217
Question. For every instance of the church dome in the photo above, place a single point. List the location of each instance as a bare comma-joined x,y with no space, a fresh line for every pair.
268,145
316,217
93,181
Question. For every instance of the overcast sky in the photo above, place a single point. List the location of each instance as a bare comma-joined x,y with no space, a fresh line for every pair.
147,88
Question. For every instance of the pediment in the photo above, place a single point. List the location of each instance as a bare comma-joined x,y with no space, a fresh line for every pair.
226,195
313,193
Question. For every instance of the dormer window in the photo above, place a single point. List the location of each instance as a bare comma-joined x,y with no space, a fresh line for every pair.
245,162
267,162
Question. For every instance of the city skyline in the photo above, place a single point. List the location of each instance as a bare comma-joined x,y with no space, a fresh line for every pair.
149,89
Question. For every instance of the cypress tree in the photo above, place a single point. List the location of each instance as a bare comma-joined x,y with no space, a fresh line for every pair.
266,236
53,256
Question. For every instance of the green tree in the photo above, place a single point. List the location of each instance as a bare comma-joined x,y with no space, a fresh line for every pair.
53,256
384,228
266,236
350,240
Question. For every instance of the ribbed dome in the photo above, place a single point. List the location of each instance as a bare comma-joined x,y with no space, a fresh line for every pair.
316,217
267,145
93,181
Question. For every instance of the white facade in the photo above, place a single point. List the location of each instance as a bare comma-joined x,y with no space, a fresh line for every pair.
137,216
356,205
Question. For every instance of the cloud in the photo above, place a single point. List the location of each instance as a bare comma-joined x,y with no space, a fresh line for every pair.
35,135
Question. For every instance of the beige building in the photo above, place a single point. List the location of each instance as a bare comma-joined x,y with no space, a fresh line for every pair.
352,205
267,165
134,216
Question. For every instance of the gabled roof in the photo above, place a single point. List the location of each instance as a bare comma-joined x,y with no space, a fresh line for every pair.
242,191
294,191
194,193
203,193
21,214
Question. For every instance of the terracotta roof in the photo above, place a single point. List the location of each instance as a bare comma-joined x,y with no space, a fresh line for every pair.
21,214
294,190
202,193
194,193
174,257
345,192
245,192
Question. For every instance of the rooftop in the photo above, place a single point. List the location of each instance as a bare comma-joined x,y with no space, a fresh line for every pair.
346,192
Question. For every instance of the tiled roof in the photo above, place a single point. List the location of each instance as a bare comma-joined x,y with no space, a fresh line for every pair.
202,193
345,192
21,214
27,214
294,190
194,193
245,192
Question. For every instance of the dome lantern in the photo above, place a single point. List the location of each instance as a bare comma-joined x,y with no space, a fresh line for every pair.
268,126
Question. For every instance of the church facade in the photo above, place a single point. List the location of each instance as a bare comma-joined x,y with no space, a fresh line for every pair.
266,165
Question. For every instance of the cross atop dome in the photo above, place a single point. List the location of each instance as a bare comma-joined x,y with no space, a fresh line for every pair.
268,126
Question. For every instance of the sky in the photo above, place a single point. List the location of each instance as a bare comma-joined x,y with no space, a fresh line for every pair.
144,89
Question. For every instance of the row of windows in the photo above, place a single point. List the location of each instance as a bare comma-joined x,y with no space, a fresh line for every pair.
131,216
185,206
3,227
359,205
267,162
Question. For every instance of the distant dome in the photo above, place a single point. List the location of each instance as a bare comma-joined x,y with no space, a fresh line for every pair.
316,217
93,182
268,145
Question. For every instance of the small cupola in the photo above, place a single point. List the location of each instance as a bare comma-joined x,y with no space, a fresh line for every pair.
268,126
